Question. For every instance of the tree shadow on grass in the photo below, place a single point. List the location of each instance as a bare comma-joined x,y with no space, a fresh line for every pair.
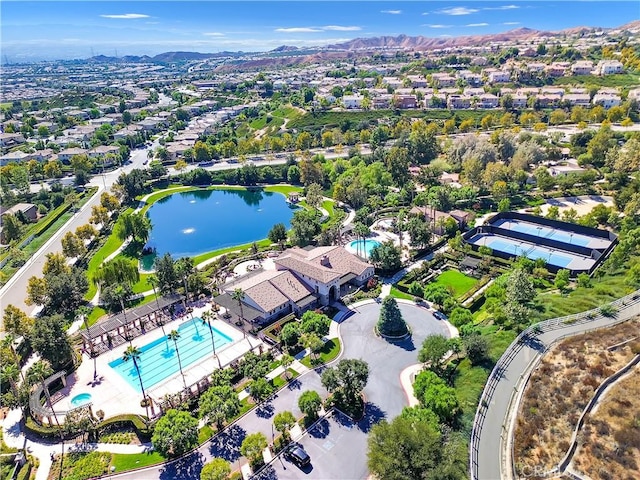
186,468
227,443
320,429
372,415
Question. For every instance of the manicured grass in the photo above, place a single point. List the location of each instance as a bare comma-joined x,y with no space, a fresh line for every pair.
204,434
154,197
329,352
206,256
284,189
129,461
399,294
328,206
459,282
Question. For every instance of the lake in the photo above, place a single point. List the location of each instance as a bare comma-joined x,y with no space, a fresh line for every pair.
186,224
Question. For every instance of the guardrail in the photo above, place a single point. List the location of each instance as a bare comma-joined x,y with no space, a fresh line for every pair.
503,362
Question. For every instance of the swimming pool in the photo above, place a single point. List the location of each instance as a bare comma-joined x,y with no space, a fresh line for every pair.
158,360
81,399
363,247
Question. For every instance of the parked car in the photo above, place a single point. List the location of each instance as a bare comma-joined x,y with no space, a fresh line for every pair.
297,455
440,315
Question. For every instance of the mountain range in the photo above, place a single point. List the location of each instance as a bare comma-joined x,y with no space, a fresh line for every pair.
418,43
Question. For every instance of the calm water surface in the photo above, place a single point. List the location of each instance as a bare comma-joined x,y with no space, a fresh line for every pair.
191,223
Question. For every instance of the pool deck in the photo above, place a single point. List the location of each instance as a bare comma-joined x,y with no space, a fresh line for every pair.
113,395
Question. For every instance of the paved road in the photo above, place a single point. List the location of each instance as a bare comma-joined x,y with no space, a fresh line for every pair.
337,445
15,291
490,455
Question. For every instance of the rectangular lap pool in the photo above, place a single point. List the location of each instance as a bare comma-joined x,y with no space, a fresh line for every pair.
158,360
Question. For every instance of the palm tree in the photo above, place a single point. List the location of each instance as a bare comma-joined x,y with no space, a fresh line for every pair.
84,312
206,320
133,353
38,373
184,268
175,335
238,295
7,342
153,281
11,372
362,231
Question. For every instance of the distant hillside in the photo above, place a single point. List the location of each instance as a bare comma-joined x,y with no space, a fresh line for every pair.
165,57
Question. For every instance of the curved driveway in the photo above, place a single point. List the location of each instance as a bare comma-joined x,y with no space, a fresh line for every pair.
337,445
494,418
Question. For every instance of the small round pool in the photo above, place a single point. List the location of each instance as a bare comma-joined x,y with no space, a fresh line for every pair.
362,247
81,399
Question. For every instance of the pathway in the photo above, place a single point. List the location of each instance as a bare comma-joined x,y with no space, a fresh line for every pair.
494,421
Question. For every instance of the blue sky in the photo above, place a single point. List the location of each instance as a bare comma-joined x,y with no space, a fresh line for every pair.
52,29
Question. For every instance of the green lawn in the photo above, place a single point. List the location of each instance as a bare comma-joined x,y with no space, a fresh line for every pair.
459,282
284,189
206,256
329,352
400,294
129,461
328,206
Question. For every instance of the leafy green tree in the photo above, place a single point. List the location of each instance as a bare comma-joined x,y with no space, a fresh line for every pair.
562,279
11,227
305,225
419,231
346,380
460,316
133,183
252,447
310,403
278,234
168,278
433,351
476,348
260,390
216,469
313,342
386,256
434,394
314,195
16,321
283,422
404,449
72,245
290,334
219,404
175,433
49,338
313,322
137,226
390,321
117,272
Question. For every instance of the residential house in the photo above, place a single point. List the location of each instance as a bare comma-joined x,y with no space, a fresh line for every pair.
435,100
440,80
556,69
382,101
487,100
8,140
570,167
609,67
578,99
606,99
14,157
456,102
29,210
177,149
417,81
406,101
43,155
498,76
582,67
101,151
102,121
519,100
65,155
352,101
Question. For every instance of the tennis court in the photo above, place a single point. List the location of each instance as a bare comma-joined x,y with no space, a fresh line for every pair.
548,232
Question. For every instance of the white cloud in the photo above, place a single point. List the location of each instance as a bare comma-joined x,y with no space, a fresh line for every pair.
458,11
340,28
511,23
503,7
214,34
437,25
327,28
391,12
126,16
425,13
483,24
298,30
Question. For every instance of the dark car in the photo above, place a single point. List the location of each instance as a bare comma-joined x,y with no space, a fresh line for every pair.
296,454
440,315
